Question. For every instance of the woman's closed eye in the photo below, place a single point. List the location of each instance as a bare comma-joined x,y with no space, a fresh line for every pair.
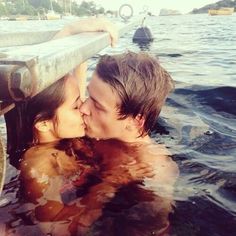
77,104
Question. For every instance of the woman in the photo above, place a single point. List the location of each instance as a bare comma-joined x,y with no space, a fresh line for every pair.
54,115
46,168
52,176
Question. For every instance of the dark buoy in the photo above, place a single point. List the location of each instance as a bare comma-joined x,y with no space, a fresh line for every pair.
142,35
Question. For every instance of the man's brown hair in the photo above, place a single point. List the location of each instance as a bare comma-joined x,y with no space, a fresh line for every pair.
141,83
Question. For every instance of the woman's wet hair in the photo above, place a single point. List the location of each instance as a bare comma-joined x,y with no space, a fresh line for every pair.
44,105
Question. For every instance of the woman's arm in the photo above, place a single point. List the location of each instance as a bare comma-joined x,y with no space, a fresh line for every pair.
89,25
80,73
42,181
92,203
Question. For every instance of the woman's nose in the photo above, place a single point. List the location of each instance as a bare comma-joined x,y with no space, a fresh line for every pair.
84,108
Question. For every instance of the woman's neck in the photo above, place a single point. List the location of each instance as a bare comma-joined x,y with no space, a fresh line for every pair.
46,137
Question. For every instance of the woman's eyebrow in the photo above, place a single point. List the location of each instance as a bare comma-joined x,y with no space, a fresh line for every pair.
76,100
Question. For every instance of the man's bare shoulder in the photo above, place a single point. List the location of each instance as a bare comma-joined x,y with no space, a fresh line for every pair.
159,157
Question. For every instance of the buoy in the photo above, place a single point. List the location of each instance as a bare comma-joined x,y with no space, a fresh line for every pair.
143,35
123,12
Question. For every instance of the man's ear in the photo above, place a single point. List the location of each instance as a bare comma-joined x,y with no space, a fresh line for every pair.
43,126
136,123
139,121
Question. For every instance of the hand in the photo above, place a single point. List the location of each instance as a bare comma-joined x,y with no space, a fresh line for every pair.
111,29
140,170
133,171
90,25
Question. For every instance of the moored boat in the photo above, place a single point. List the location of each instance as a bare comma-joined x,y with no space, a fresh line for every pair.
221,11
51,15
18,18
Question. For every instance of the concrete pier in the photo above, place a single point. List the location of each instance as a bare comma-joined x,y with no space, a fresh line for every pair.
28,69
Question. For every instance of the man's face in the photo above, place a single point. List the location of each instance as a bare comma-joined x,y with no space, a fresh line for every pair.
100,111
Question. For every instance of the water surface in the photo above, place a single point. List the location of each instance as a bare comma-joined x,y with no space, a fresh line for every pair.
197,124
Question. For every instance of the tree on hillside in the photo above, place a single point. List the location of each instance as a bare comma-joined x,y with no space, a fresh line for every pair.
217,5
57,7
46,4
21,7
40,3
35,3
74,8
3,10
84,9
31,7
89,8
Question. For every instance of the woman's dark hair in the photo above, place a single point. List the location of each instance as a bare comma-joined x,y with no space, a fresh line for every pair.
43,106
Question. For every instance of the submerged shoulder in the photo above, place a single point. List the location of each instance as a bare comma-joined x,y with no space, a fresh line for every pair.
40,159
160,159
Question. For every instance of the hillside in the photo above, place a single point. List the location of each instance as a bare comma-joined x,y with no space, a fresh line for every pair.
217,5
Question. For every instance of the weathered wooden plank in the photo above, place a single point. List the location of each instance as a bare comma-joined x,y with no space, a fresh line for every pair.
5,107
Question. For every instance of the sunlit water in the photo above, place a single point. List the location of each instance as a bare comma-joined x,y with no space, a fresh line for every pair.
197,124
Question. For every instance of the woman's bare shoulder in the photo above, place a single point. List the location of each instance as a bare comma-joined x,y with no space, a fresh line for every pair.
41,160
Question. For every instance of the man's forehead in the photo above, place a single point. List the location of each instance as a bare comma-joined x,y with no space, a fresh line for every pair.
102,91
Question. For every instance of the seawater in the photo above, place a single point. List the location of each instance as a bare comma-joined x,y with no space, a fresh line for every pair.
197,123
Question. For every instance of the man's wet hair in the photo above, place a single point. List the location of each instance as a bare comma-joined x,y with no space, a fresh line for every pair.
141,83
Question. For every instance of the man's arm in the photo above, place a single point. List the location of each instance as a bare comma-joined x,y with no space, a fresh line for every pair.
92,203
165,170
81,74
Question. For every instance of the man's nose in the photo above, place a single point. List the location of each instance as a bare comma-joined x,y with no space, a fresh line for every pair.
84,108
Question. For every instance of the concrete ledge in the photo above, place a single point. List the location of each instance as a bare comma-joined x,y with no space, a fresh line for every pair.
40,65
25,38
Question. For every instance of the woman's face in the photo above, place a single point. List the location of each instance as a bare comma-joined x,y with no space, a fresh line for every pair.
69,122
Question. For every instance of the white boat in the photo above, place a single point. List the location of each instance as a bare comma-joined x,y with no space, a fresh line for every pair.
52,15
69,17
4,18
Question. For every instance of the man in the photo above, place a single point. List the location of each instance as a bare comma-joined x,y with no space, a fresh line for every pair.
126,94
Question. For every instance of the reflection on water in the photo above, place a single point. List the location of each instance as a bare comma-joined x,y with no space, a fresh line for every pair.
144,46
109,185
197,125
